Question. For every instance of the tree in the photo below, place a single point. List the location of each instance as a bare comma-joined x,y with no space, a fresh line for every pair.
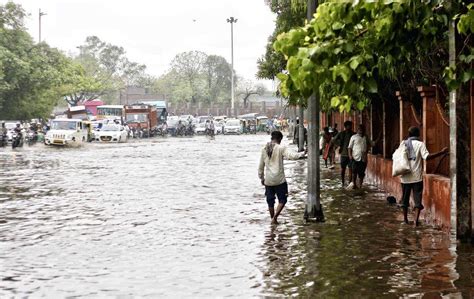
350,50
247,88
32,76
217,72
196,77
106,71
189,66
290,14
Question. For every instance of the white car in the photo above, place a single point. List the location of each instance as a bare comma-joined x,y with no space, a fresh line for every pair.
66,132
200,129
111,133
10,126
233,126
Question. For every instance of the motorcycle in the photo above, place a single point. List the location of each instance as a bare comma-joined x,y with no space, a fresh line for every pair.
17,140
162,132
181,131
189,130
136,133
31,137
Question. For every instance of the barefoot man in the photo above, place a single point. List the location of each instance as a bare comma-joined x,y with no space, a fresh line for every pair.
272,173
413,181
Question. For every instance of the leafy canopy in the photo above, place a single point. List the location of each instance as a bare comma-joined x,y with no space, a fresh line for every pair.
351,47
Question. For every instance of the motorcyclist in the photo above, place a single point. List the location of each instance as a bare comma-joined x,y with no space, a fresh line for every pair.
18,140
190,128
19,130
180,127
3,133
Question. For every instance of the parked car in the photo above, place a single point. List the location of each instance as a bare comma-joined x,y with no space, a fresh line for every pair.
233,126
200,129
202,119
112,133
66,132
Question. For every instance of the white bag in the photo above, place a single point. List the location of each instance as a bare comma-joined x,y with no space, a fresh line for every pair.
401,164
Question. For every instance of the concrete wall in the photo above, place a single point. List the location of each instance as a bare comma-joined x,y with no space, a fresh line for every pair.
436,193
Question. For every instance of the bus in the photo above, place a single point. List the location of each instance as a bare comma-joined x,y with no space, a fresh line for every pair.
111,112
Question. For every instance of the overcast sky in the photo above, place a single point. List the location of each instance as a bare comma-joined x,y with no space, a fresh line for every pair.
154,31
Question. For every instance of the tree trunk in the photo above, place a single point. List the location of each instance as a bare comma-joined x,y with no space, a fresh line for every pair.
313,210
460,164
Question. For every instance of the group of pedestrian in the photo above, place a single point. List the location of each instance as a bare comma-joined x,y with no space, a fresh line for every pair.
353,150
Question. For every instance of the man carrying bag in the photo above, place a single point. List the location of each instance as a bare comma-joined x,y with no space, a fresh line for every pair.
408,164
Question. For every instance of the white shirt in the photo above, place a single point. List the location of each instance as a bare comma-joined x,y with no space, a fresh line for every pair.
358,144
271,169
416,175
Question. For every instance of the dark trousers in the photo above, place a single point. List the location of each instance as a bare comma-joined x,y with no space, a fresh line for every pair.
280,191
417,189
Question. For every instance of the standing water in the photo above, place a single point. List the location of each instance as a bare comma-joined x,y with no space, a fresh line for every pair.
187,218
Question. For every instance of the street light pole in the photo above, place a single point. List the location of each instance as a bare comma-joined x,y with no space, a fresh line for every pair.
40,15
232,20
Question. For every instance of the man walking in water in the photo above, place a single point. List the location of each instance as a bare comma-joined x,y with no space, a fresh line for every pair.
414,179
272,173
342,141
359,146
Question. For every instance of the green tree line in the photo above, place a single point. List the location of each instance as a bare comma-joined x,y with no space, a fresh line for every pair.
196,77
34,77
354,52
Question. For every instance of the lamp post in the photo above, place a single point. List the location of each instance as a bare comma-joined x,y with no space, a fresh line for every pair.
40,15
232,20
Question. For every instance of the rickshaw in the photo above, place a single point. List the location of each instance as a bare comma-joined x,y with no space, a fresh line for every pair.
262,123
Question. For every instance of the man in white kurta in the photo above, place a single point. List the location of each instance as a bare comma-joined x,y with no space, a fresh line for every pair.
272,173
413,181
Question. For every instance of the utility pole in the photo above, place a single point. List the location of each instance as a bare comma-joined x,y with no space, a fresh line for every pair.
40,14
232,20
313,210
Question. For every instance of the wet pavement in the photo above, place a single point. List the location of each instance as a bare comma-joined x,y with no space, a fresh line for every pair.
186,217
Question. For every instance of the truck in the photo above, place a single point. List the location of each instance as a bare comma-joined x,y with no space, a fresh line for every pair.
142,119
160,106
77,112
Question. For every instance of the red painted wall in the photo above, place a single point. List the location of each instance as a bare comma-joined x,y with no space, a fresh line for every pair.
436,193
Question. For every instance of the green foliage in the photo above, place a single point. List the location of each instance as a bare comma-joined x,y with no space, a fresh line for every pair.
31,75
290,14
463,71
106,71
196,77
466,20
350,50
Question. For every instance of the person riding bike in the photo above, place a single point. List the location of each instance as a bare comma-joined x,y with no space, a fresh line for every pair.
3,134
18,129
180,128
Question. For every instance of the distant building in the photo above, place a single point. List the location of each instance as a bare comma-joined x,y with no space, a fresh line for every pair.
271,101
134,94
91,106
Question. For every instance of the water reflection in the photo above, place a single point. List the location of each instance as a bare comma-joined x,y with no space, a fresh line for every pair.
363,250
187,218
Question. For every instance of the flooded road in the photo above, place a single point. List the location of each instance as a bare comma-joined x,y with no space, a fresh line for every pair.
187,218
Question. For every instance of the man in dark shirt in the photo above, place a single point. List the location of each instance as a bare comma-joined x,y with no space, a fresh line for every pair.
342,140
335,131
